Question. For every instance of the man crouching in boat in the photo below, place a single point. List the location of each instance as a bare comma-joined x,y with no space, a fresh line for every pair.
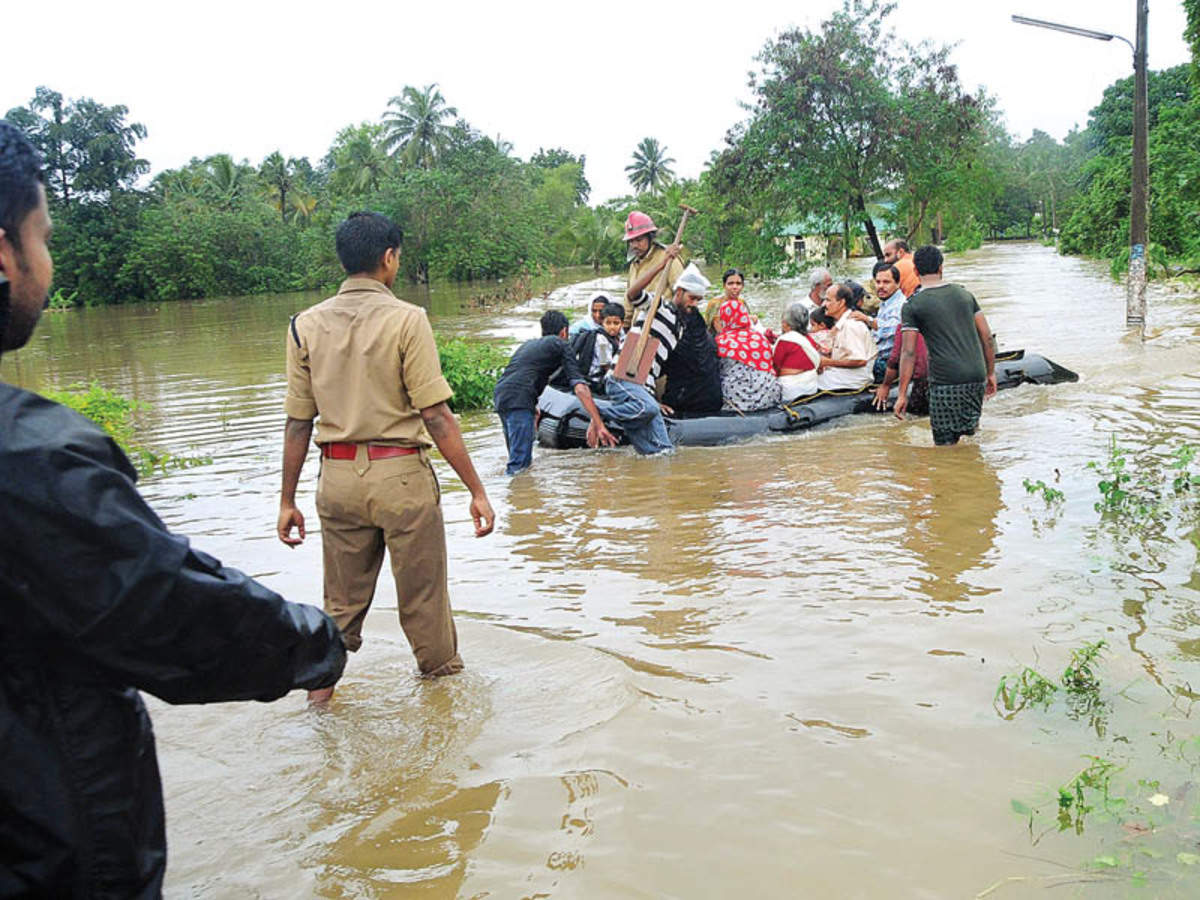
632,405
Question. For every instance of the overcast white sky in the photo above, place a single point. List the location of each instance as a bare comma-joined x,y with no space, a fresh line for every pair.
248,78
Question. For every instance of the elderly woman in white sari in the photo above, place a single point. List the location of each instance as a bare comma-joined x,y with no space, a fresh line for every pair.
796,356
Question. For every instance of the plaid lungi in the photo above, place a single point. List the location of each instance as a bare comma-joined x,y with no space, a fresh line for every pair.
954,410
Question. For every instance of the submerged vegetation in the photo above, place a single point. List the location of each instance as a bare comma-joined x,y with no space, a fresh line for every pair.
852,135
114,413
1147,833
1135,794
472,369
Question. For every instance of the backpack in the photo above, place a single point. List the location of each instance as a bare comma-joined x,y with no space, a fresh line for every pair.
583,345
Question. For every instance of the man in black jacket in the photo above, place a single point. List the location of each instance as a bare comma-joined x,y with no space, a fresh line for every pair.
522,382
693,371
98,600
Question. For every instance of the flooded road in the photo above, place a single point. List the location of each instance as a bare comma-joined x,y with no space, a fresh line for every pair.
764,670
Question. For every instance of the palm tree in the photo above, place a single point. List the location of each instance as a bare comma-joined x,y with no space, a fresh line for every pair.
302,206
360,163
277,175
503,147
179,186
651,167
226,180
414,125
593,235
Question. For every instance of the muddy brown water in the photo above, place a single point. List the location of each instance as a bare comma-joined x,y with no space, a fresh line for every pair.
760,670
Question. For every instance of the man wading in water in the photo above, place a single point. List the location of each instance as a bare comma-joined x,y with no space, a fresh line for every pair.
98,600
366,363
961,358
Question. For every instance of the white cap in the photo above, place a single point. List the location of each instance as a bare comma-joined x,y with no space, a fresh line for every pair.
692,281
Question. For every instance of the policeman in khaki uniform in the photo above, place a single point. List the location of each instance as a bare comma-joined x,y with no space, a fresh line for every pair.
365,363
647,260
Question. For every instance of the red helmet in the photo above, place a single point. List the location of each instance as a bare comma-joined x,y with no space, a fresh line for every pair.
638,224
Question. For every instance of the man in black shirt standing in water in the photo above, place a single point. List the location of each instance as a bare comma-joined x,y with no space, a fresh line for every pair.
522,382
961,357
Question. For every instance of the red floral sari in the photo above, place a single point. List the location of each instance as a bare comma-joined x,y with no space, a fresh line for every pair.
738,340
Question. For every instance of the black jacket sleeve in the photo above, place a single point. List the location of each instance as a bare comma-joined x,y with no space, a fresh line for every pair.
99,575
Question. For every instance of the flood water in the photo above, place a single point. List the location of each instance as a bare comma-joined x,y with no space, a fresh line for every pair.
764,670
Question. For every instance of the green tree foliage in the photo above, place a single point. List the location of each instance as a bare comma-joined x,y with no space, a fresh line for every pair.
555,157
838,122
594,239
1192,35
179,251
226,183
651,167
88,147
1113,117
358,160
91,244
415,125
278,176
1099,224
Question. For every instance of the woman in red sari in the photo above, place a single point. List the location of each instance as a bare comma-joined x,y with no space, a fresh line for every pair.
732,281
747,377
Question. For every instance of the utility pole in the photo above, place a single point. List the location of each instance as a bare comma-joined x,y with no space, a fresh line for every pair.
1139,205
1139,195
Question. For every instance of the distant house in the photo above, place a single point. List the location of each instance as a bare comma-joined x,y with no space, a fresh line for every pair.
822,237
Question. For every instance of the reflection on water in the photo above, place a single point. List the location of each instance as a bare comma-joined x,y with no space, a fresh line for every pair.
765,669
947,500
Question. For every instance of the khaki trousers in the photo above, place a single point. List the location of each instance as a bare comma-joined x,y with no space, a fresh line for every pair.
366,505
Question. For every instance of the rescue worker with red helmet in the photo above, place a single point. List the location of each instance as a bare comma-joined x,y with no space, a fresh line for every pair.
647,260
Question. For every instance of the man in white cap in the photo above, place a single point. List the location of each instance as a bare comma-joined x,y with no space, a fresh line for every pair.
633,406
692,368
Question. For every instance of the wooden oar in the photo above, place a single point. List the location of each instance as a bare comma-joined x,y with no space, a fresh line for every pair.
637,357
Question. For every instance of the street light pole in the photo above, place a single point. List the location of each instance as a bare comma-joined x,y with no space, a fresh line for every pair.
1139,204
1135,289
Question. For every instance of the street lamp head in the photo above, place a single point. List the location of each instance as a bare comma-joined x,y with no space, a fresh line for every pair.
1069,29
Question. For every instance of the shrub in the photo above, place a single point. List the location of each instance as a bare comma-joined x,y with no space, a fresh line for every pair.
108,409
113,412
472,369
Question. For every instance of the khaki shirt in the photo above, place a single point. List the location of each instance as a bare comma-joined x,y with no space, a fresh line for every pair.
640,266
364,364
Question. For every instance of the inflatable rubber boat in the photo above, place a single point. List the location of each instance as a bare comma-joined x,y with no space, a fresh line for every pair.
563,423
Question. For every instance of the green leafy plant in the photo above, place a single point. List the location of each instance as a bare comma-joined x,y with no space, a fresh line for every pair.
1080,676
1149,492
1085,792
1084,700
471,368
114,413
1182,479
968,236
1115,482
1049,494
62,300
1028,687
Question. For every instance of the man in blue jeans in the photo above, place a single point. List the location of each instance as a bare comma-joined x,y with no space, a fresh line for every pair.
633,406
637,412
524,379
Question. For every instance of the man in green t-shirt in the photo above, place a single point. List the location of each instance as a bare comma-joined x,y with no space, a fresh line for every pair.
961,358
